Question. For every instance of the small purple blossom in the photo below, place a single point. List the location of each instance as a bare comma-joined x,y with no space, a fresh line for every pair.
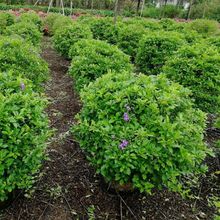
126,116
22,85
123,144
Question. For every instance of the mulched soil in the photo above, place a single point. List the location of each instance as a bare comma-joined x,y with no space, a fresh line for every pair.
69,188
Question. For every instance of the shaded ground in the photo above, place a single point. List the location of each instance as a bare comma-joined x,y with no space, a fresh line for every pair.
70,189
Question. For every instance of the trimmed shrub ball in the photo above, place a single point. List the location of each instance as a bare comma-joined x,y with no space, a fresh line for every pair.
22,58
141,130
198,68
154,49
66,37
93,58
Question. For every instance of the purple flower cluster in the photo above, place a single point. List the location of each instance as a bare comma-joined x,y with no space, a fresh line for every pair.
126,116
22,85
123,144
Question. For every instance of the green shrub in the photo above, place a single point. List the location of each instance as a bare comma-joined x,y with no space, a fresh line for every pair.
21,57
151,12
129,37
141,130
32,17
12,82
26,30
150,24
86,19
154,49
170,11
104,29
60,23
215,41
198,68
204,27
50,20
6,19
68,36
191,36
93,58
24,132
171,25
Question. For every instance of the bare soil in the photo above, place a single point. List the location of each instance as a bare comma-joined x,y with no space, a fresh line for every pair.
69,188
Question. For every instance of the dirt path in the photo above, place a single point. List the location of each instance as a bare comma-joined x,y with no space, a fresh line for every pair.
69,187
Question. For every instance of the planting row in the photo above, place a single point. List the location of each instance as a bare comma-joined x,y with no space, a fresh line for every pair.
24,127
143,130
189,55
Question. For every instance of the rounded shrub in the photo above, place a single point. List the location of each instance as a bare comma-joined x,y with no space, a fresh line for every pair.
26,30
59,23
204,27
154,49
68,36
141,130
198,68
50,20
150,24
129,37
151,12
21,57
93,58
104,29
6,19
32,17
24,132
168,24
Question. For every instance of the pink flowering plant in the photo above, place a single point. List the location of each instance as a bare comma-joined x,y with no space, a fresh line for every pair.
141,130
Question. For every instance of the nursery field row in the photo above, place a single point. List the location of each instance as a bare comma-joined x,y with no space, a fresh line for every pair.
150,95
147,88
24,126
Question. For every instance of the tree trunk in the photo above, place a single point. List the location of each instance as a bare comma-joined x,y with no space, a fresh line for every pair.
190,9
138,6
116,11
142,7
57,3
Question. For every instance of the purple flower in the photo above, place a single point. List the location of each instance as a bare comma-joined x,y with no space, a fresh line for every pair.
22,85
123,144
126,116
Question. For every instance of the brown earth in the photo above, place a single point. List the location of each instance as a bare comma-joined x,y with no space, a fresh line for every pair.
69,188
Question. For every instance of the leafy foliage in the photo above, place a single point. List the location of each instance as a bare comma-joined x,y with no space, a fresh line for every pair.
24,131
215,41
141,130
26,30
93,58
154,49
59,22
150,24
104,29
6,19
205,27
31,17
198,68
22,58
129,37
50,20
68,36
